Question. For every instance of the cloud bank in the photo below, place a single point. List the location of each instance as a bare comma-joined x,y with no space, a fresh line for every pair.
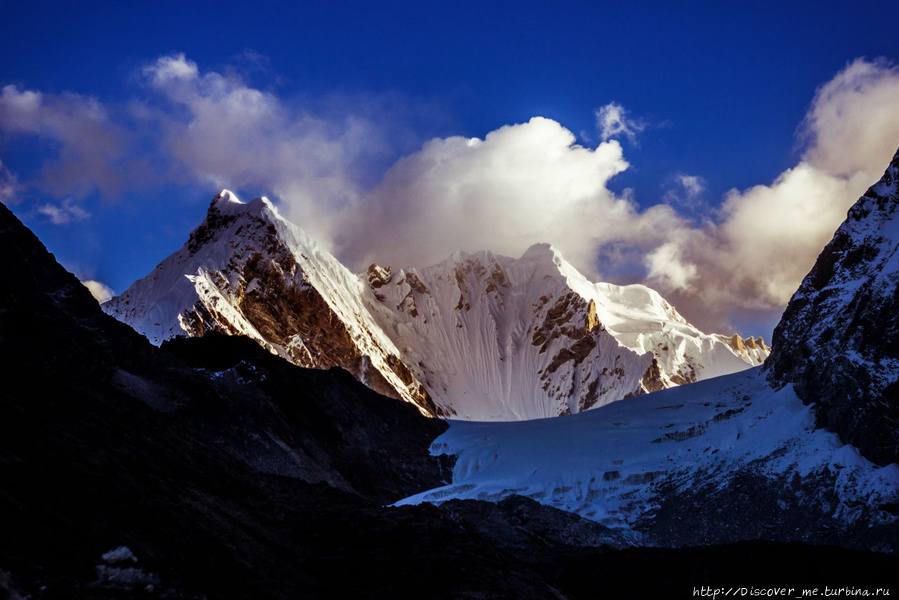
518,185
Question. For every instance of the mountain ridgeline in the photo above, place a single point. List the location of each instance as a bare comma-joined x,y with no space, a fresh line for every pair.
478,336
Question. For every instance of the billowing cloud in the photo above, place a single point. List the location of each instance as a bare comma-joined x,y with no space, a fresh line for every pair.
100,291
852,123
613,121
530,182
190,126
233,135
227,133
519,185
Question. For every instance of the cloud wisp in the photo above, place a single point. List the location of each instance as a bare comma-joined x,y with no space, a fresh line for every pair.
93,150
100,291
612,121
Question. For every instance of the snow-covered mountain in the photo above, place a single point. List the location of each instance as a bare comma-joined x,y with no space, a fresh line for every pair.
803,448
496,338
477,337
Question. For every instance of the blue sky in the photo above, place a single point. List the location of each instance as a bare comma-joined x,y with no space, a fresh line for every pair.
698,147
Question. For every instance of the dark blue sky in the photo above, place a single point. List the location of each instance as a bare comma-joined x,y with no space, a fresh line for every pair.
721,90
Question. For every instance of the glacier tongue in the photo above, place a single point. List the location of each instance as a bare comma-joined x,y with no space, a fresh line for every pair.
480,336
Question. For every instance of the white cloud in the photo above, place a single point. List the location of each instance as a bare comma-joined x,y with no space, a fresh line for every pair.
530,182
520,185
168,69
101,292
229,134
852,124
613,121
686,192
693,184
666,265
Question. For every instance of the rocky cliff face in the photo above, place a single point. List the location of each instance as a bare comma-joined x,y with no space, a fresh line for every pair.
837,341
478,336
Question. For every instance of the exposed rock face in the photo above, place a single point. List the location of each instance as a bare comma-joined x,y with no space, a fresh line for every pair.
247,271
837,340
751,349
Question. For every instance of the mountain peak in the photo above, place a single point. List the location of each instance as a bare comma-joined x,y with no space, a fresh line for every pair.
542,252
227,203
248,271
226,196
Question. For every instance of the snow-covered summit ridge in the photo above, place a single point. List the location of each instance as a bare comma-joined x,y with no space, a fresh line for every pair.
226,202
